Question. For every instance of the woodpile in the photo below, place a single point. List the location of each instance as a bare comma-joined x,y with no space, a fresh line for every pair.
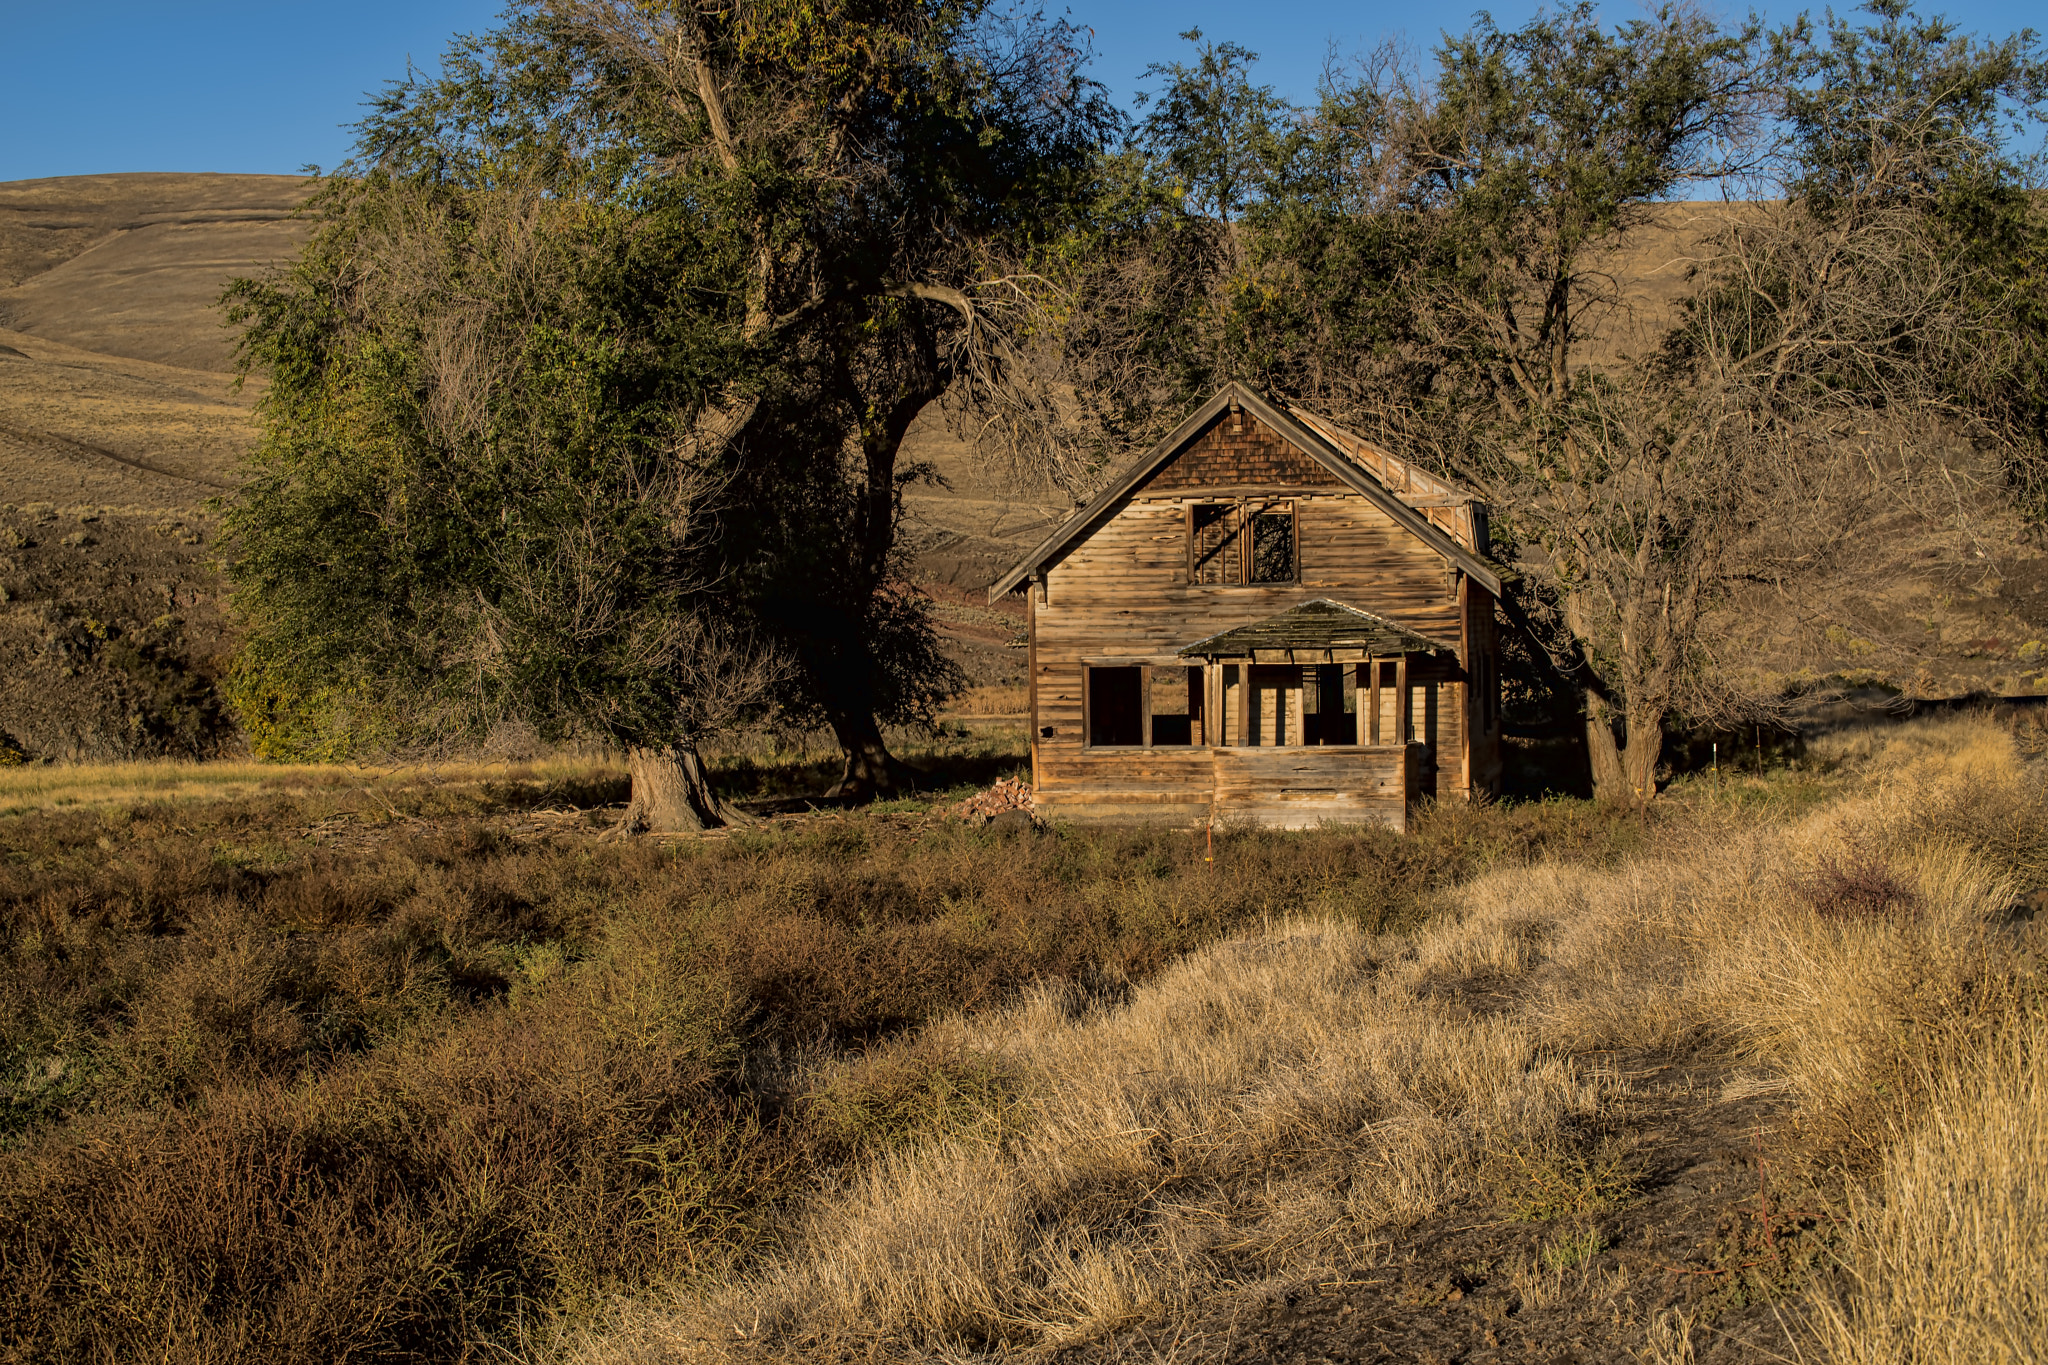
1008,794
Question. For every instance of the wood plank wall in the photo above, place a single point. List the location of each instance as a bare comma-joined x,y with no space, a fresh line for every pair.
1254,453
1287,788
1120,595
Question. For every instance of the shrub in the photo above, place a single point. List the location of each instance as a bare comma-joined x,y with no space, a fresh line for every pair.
356,1074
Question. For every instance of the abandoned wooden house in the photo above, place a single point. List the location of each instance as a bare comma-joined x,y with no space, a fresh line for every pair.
1265,619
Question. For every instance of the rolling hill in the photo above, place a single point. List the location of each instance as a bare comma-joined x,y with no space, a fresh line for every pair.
118,404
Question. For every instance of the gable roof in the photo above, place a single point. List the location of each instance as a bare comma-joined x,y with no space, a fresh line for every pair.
1318,623
1311,443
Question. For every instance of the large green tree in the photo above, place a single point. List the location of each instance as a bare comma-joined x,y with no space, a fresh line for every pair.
808,199
477,501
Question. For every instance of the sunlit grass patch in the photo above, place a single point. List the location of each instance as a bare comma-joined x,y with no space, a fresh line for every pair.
58,786
948,764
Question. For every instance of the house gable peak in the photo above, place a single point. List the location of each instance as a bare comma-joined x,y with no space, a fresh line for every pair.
1325,462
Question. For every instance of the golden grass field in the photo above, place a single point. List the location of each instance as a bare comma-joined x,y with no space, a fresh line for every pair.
1293,1104
32,788
355,1064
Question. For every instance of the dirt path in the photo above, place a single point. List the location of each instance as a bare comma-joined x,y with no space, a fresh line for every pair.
1700,1247
63,445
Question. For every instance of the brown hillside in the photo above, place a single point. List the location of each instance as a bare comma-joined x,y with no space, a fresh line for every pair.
114,364
130,265
115,392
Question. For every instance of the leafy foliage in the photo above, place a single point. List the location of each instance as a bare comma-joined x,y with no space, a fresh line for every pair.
595,381
472,503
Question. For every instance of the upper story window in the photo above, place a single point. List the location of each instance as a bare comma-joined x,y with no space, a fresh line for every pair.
1241,542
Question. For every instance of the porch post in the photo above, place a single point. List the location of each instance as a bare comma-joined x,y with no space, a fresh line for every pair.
1403,730
1297,706
1145,705
1360,721
1211,702
1244,703
1372,664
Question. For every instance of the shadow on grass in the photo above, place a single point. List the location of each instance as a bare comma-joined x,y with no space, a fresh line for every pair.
948,765
585,791
1543,767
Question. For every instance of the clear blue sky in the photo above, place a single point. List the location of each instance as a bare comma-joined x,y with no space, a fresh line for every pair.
221,85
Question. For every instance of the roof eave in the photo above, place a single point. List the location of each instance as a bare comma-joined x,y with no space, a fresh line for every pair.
1411,641
1065,532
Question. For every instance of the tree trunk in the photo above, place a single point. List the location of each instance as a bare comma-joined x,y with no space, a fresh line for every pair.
1624,774
871,770
1645,747
671,795
1610,775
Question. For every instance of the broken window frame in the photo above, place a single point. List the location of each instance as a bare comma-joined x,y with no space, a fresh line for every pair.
1233,549
1147,731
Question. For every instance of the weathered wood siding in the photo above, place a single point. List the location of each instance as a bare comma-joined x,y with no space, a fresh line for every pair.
1291,788
1120,595
1301,788
1253,454
1075,783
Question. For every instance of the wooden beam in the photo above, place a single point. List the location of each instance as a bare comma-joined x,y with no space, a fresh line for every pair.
1373,731
1031,676
1403,729
1358,717
1132,660
1087,710
1145,705
1244,704
1297,695
1206,733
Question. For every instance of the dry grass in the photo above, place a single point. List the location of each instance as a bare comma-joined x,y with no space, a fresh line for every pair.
1290,1100
1120,1185
887,1083
371,1070
995,700
32,788
1948,1263
751,766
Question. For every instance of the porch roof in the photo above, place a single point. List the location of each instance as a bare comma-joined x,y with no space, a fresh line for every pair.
1318,624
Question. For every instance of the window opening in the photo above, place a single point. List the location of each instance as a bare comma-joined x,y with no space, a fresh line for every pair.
1273,544
1113,702
1176,706
1235,543
1214,543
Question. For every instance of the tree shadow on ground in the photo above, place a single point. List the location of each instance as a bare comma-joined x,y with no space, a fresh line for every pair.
776,786
1542,766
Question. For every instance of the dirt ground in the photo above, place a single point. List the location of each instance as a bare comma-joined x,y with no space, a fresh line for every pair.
112,634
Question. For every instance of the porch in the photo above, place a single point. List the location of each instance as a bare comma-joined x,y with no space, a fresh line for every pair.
1323,712
1282,786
